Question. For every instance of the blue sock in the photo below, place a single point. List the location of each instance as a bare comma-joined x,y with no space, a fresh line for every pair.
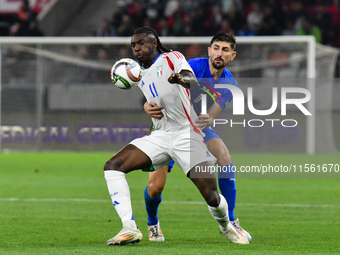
151,206
226,182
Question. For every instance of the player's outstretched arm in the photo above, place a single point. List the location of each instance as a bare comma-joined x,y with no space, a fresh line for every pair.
185,78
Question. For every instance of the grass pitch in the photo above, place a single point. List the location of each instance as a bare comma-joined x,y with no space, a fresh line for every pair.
58,203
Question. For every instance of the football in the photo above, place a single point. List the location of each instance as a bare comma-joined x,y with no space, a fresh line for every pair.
126,73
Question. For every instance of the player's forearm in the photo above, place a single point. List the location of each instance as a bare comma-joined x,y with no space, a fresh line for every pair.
189,79
214,110
185,78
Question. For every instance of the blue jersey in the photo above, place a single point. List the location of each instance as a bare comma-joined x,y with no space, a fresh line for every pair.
200,66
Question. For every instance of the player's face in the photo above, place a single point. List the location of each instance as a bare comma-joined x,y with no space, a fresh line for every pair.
220,54
143,47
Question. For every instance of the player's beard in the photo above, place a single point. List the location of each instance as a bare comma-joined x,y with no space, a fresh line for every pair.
218,66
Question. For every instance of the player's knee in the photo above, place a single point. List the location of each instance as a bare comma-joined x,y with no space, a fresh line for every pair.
213,199
155,190
224,160
113,164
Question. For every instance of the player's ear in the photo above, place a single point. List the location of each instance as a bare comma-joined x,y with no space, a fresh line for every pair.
209,49
233,55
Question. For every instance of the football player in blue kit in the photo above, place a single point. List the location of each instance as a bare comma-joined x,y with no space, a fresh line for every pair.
209,71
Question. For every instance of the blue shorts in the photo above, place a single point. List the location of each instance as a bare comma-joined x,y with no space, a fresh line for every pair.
209,133
152,169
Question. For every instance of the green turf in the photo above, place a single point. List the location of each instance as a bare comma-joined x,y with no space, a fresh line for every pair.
283,215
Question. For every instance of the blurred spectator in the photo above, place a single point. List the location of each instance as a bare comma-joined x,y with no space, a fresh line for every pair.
278,13
22,19
70,69
106,29
171,7
289,28
15,29
117,17
124,52
16,65
206,17
307,28
153,9
179,17
225,27
93,48
195,51
269,25
162,28
324,21
255,17
235,17
196,19
126,28
186,26
227,5
147,22
296,13
24,13
86,74
137,13
246,31
102,55
102,75
217,16
4,28
33,29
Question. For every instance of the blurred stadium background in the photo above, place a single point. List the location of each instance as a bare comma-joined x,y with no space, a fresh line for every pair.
56,92
56,98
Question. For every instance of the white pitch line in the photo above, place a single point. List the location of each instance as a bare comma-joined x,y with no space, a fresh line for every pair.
166,202
287,205
54,199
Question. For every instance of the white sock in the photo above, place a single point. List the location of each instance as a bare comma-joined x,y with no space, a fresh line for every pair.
220,213
120,196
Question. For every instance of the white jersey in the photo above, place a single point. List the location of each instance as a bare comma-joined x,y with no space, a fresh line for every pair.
174,98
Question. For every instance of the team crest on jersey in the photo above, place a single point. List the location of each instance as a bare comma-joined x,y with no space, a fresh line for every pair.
159,70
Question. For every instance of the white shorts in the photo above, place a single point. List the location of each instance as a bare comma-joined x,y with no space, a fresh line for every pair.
186,148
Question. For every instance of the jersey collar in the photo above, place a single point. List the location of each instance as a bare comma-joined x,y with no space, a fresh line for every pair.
157,58
143,68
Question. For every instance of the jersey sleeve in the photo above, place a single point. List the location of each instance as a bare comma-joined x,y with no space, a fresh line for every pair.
196,66
226,97
179,62
225,94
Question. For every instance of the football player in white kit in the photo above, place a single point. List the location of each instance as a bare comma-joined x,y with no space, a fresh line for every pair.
165,81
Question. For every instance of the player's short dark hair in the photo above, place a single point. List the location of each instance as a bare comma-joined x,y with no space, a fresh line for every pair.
224,37
150,31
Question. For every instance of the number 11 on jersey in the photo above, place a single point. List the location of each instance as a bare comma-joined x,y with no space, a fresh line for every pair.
153,90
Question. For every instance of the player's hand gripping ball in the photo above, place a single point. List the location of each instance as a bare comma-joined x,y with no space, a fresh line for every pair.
126,73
